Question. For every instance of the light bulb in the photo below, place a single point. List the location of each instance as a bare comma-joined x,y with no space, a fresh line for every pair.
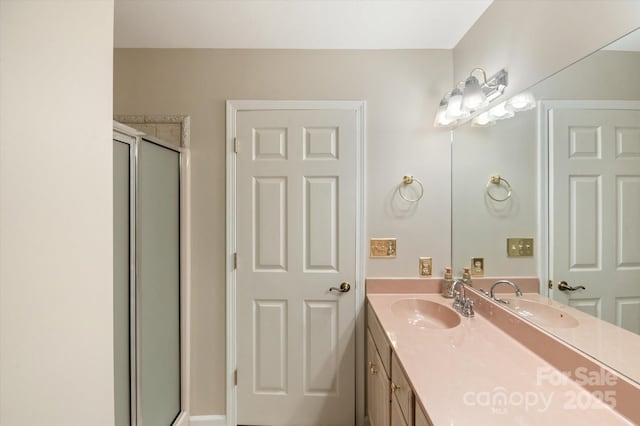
473,97
499,112
521,102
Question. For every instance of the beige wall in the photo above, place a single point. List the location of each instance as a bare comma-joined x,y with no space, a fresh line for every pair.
534,39
402,90
56,221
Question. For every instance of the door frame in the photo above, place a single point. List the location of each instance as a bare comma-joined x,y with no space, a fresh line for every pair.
233,107
545,204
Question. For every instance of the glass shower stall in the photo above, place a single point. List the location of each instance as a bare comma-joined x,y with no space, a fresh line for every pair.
148,291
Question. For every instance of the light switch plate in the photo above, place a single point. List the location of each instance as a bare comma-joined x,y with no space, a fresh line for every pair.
519,247
424,267
477,266
382,247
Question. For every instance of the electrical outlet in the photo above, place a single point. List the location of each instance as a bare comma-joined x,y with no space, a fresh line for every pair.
519,247
477,266
382,247
424,266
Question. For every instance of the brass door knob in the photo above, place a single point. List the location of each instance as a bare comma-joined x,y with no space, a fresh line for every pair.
344,288
564,286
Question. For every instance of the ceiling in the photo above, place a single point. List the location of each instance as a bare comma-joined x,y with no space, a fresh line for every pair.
295,24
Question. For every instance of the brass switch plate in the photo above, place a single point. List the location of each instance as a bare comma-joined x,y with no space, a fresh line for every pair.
424,266
382,247
519,247
477,267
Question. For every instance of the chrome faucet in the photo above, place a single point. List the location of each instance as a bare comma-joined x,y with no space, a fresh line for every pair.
462,304
497,283
452,289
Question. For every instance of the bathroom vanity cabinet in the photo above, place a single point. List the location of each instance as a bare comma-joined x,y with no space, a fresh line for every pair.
390,399
409,359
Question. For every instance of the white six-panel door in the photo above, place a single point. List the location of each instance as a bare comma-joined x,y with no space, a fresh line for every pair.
595,203
296,238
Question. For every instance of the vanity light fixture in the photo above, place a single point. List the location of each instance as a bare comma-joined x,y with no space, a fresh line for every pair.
469,96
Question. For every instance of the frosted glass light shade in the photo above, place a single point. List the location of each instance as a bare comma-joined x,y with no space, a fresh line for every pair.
454,107
441,116
473,97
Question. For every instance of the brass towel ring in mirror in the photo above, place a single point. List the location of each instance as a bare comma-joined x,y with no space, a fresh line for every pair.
497,180
408,180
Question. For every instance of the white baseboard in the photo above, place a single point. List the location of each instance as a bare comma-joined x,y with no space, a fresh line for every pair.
214,420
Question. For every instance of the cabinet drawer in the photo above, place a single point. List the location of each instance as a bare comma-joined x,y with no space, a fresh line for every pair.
396,415
380,339
421,419
401,390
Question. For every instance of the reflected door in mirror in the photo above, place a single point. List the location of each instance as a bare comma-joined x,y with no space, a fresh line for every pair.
595,211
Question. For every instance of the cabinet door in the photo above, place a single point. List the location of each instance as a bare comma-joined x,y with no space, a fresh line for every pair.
397,419
401,390
378,390
421,418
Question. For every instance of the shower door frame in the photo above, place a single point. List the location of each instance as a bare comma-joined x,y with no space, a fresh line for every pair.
133,138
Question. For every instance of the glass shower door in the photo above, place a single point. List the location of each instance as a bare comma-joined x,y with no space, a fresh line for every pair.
158,283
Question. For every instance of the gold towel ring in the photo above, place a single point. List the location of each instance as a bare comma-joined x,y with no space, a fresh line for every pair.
497,180
408,180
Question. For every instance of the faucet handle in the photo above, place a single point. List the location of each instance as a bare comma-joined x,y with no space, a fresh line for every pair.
467,308
457,303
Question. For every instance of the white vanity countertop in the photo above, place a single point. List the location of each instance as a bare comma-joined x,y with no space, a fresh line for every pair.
474,373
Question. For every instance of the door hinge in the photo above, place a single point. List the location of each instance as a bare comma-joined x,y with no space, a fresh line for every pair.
235,260
235,145
235,377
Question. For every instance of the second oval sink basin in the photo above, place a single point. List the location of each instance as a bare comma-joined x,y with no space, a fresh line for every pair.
541,313
425,314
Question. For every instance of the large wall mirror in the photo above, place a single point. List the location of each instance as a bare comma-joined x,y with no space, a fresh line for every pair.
573,165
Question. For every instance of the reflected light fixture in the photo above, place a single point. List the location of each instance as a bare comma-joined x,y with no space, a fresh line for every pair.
521,102
469,96
482,120
500,112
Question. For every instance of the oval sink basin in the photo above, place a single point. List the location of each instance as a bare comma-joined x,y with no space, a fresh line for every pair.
541,314
425,314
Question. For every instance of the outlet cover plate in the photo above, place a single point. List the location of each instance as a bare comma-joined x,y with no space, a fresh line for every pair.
477,266
425,266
